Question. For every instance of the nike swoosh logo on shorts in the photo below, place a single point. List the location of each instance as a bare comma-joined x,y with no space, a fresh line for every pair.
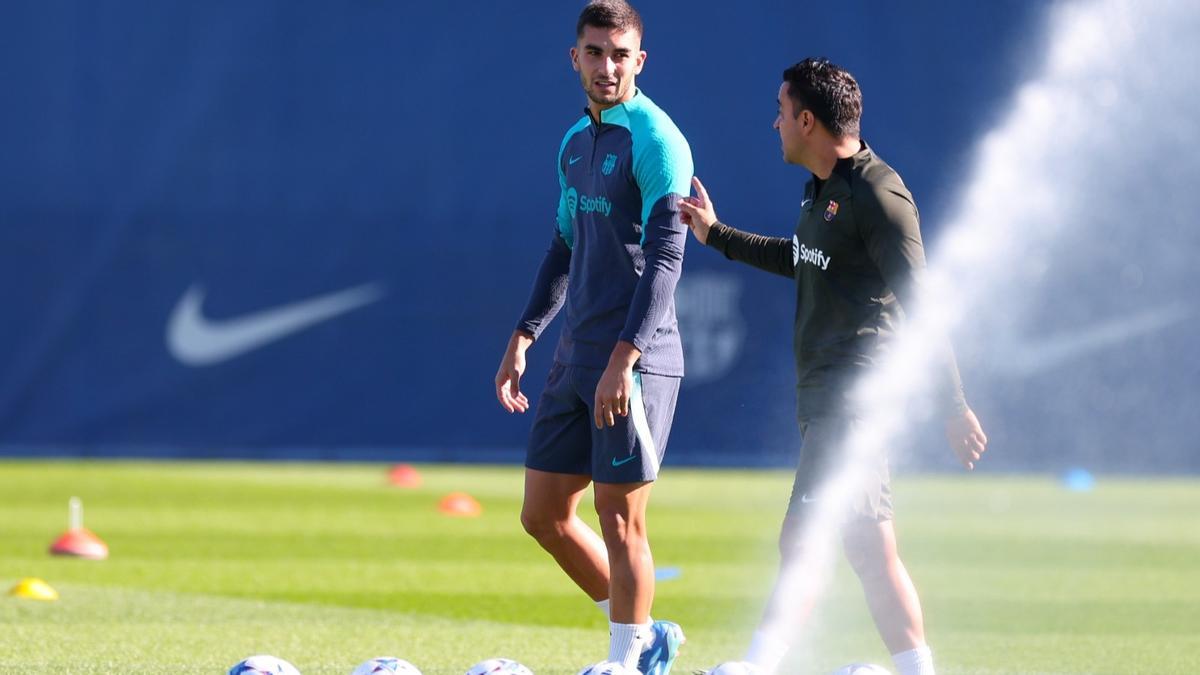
196,340
624,461
574,159
805,499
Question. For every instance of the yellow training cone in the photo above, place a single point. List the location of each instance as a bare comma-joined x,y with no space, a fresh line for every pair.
34,589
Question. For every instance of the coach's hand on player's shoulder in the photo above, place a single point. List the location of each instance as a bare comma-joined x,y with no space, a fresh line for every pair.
966,438
508,377
698,212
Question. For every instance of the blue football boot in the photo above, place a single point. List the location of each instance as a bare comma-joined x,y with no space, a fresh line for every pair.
660,655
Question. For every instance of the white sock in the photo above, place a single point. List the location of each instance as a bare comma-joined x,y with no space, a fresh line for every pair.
626,642
767,650
604,606
917,661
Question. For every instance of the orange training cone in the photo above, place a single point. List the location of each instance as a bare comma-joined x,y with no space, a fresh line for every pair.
405,476
460,504
79,541
33,588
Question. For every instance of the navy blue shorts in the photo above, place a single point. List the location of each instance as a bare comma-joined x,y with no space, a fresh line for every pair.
564,438
867,495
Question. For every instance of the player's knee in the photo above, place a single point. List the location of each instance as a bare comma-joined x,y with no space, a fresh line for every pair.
541,526
620,526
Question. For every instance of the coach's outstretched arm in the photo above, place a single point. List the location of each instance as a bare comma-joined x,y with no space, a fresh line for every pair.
772,254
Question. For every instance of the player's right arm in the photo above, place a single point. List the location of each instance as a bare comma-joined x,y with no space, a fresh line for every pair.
772,254
545,300
508,377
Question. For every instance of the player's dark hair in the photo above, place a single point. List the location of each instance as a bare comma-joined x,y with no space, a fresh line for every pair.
609,14
827,91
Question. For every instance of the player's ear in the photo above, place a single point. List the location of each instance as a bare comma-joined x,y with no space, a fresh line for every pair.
575,58
639,63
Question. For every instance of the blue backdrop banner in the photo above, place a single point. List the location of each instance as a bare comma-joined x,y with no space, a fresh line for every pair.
302,229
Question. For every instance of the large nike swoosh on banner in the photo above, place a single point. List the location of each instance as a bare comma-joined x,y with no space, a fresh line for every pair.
1030,357
196,340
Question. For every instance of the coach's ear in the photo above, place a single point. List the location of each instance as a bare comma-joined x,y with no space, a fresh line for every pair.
808,122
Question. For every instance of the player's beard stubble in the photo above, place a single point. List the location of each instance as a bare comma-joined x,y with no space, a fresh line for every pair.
605,96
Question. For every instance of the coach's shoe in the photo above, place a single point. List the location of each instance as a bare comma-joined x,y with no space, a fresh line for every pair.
660,655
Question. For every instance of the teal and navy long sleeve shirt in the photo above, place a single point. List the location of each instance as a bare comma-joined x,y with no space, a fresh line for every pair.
617,248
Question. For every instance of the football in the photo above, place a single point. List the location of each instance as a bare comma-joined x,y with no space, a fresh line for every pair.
608,668
263,664
735,668
499,667
861,669
386,665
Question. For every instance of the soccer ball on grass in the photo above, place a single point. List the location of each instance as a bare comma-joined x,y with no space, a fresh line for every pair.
608,668
263,664
861,669
499,667
386,665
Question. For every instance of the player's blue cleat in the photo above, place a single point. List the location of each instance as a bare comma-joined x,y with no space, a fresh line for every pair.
660,655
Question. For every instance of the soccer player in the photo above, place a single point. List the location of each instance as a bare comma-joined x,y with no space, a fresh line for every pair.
614,259
856,258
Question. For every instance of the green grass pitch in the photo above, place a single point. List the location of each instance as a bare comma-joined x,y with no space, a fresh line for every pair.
326,565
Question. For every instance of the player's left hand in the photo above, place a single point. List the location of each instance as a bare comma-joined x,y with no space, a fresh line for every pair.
966,438
612,395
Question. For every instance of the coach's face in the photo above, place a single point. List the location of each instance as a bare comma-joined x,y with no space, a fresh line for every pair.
795,131
607,61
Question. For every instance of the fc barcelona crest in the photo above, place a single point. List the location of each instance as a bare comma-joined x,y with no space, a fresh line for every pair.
831,211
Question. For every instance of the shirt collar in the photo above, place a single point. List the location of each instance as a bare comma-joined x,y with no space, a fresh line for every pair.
845,166
616,113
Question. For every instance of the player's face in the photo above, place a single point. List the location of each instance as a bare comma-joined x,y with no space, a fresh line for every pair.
794,130
607,61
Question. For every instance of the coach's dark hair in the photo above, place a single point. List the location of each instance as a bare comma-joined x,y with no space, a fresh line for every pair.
610,14
827,91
